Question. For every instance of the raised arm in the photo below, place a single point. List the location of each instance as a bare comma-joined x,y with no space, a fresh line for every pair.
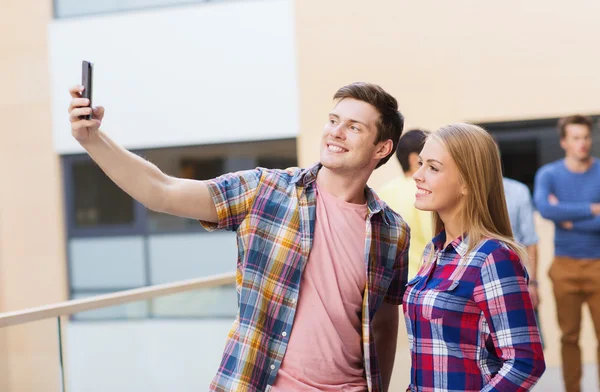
502,295
560,212
139,178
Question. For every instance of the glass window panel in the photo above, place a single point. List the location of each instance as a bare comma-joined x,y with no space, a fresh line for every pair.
148,356
107,262
97,200
185,256
69,8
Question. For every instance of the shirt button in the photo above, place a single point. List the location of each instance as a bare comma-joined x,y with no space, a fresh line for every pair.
272,367
284,334
293,300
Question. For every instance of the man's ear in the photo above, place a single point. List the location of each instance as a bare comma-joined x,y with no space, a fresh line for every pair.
384,149
563,143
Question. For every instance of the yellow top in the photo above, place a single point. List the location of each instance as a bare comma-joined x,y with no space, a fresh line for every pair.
399,194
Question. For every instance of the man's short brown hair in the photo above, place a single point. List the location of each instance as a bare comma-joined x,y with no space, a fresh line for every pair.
574,119
391,121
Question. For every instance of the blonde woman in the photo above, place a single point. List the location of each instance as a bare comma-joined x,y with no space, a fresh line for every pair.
469,316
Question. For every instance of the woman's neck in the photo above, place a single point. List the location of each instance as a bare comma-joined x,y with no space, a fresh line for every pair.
453,227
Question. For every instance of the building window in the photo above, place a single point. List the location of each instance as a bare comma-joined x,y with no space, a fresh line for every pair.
114,243
526,145
97,200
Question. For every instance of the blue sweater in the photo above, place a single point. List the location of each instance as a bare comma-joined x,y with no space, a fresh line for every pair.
575,192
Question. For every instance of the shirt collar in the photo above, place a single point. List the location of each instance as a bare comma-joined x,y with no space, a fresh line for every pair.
460,245
306,177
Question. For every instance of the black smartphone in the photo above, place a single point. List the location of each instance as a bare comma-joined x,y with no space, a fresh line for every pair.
87,76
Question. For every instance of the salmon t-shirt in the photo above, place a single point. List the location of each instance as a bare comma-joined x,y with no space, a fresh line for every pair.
324,352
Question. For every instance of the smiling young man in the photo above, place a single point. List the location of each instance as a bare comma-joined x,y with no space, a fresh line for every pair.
568,193
322,261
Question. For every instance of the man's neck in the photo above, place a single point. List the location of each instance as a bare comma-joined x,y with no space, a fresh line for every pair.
348,188
577,165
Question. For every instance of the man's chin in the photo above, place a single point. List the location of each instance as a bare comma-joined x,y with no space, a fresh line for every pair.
331,165
330,162
584,157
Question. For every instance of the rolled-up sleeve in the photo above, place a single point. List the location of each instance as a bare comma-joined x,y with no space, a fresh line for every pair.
502,295
233,195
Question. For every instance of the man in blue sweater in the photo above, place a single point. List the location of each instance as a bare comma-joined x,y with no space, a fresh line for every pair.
568,193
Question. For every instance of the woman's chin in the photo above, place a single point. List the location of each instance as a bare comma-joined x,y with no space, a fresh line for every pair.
422,206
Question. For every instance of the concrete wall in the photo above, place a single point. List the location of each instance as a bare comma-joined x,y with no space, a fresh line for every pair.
32,256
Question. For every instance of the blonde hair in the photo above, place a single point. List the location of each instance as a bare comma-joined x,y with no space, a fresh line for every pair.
484,213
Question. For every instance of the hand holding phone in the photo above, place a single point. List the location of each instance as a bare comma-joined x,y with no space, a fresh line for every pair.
84,121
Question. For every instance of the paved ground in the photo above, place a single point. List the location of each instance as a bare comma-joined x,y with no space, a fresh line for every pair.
551,381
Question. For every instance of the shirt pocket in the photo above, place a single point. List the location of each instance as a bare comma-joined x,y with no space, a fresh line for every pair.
436,300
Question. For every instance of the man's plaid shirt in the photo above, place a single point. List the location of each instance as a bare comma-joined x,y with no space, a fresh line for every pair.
273,213
470,320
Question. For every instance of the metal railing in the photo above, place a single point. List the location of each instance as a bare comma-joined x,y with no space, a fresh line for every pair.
68,308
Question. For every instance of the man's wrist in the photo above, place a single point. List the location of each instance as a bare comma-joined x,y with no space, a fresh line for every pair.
92,139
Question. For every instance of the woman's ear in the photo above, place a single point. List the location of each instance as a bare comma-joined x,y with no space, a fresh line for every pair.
463,186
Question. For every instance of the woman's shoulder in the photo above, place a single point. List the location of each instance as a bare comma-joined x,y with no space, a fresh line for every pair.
496,258
492,248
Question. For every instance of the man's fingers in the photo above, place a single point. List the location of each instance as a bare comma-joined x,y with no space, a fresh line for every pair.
75,113
83,124
98,112
78,103
76,90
